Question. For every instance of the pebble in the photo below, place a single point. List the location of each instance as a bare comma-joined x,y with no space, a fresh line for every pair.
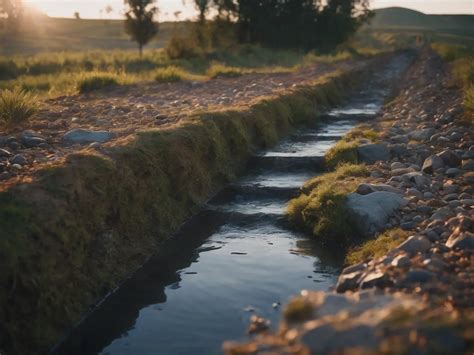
18,160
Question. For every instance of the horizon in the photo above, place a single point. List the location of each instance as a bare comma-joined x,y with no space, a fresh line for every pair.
95,9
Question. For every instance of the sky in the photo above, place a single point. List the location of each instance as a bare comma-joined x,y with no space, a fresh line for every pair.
92,8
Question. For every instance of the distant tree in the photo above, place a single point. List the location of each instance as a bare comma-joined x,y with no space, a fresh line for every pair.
77,15
108,9
140,23
13,10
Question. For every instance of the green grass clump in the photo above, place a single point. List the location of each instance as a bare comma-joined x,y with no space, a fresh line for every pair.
16,107
221,70
96,81
341,152
298,310
321,207
171,74
377,247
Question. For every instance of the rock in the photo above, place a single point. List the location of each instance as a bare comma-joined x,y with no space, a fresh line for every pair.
453,172
414,192
5,176
422,134
450,158
432,163
371,153
83,136
468,165
31,142
401,261
451,197
419,179
397,165
442,214
372,212
365,189
418,276
468,202
353,268
408,225
374,279
415,244
19,159
5,153
348,281
464,241
398,150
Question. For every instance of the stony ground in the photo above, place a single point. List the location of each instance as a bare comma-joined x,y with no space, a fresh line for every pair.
72,123
419,297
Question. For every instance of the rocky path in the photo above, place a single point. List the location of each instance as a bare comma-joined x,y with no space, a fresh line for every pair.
419,297
72,123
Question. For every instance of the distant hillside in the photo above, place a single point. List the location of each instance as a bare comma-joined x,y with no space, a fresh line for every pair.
397,17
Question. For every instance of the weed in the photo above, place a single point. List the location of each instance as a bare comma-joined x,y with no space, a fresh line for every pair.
96,81
220,70
171,74
16,106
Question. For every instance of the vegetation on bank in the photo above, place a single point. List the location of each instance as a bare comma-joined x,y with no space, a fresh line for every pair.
141,195
377,247
461,59
321,206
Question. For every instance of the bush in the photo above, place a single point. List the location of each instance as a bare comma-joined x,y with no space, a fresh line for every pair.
96,82
183,47
170,75
16,107
8,70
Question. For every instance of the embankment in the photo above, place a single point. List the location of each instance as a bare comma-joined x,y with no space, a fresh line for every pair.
77,229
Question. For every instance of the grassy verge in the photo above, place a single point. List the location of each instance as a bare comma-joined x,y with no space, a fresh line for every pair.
49,76
461,59
79,227
321,207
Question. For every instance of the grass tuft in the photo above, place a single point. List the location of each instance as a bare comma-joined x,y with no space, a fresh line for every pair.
298,309
221,70
171,74
96,81
377,247
16,107
321,207
341,152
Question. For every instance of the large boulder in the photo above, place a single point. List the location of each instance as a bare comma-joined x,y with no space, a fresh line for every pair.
84,136
372,212
371,153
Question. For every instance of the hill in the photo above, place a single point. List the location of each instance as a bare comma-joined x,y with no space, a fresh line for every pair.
402,18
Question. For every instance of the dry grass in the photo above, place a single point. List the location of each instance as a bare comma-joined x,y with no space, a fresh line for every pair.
377,247
16,107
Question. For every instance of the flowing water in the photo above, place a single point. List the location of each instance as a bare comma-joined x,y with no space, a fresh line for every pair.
235,259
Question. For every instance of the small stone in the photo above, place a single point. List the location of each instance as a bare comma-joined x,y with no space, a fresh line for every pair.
415,244
5,176
418,276
375,279
19,159
407,225
453,172
348,281
468,202
432,164
5,153
468,165
401,261
464,241
83,136
450,158
442,214
371,153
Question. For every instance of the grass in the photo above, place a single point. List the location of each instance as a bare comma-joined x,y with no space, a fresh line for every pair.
321,207
345,150
16,107
172,74
96,81
220,70
461,59
298,309
377,247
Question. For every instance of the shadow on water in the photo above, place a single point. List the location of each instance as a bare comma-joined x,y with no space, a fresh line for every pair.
237,258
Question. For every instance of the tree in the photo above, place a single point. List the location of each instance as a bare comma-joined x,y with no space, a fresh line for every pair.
77,15
140,23
13,9
108,9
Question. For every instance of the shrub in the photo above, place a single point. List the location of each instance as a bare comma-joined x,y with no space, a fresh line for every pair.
96,81
220,70
183,47
16,106
170,75
8,70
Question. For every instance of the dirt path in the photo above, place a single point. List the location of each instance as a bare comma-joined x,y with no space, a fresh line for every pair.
119,112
